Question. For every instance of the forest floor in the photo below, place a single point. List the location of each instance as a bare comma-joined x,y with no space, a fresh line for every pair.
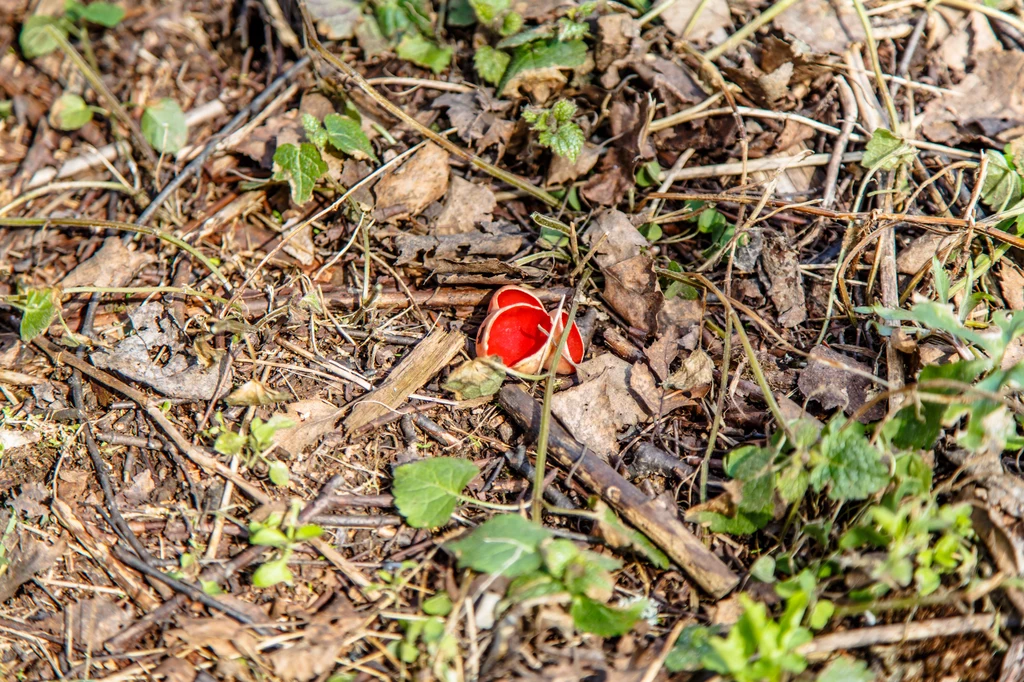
301,302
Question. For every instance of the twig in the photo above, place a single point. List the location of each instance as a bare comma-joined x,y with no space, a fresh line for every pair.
765,164
666,649
749,29
872,47
661,525
892,634
850,114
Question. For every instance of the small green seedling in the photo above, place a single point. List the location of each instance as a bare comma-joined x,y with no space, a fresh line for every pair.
39,33
556,129
283,533
255,444
302,165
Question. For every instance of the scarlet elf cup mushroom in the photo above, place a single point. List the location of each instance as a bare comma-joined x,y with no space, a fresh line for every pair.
518,331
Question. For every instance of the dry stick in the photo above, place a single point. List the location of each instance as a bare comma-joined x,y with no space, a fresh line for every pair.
394,110
661,525
876,65
893,634
889,281
666,649
850,115
220,573
152,409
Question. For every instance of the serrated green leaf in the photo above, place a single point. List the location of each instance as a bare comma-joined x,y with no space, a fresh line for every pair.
460,13
424,52
585,576
533,585
476,378
489,10
557,554
211,587
511,24
912,428
41,306
69,112
743,523
1002,186
566,142
753,466
36,38
846,669
315,132
103,14
278,473
164,126
886,151
543,55
272,573
491,63
301,166
506,544
426,491
603,620
347,136
851,467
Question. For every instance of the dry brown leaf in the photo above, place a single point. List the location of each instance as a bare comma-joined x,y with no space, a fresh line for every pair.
614,238
990,98
255,393
114,265
93,621
313,419
664,351
824,25
1011,283
225,637
834,387
467,205
654,400
32,556
782,273
260,143
631,289
321,643
697,371
562,170
173,669
406,191
921,251
600,406
711,25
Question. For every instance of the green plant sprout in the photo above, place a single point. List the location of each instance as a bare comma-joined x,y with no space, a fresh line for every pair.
282,532
255,443
302,165
556,129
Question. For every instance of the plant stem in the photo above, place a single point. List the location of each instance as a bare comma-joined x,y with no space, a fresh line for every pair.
184,291
748,30
101,89
545,413
140,197
120,227
876,65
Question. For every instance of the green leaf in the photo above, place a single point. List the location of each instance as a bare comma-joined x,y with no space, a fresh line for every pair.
940,280
278,473
743,523
262,432
301,166
308,532
41,306
460,13
753,466
1002,186
211,587
846,669
438,605
909,429
347,136
764,569
36,38
488,10
164,126
852,468
602,620
886,151
557,554
543,55
506,544
229,443
268,537
821,614
619,535
491,63
69,112
315,132
511,24
426,491
689,650
476,378
103,13
272,573
584,575
424,52
567,141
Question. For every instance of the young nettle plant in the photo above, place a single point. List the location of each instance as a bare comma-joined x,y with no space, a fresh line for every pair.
426,493
556,129
407,25
426,637
255,444
284,534
302,165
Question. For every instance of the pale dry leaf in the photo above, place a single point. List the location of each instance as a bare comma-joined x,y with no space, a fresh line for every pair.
663,352
254,393
832,386
824,25
409,189
32,556
321,643
990,98
173,669
313,420
467,205
114,265
1011,283
600,406
12,439
697,371
711,25
921,251
614,237
785,284
632,290
93,621
300,245
562,170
